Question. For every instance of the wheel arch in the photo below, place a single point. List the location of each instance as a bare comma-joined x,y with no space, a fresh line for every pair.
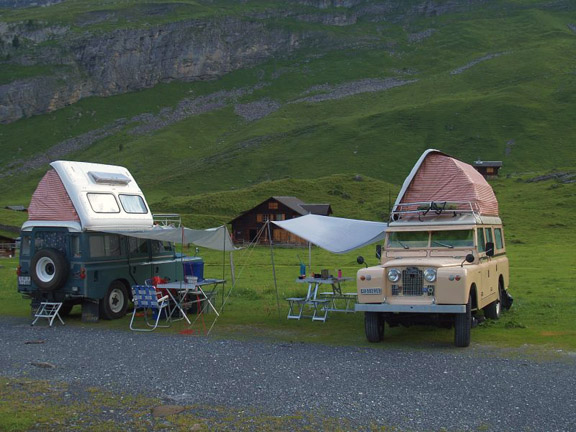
473,293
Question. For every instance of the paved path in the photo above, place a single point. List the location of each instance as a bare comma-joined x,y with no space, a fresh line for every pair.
417,390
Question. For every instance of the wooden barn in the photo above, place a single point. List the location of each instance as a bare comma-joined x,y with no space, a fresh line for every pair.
489,169
7,246
247,227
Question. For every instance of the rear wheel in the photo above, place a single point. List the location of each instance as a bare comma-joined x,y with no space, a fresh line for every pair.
115,303
462,326
66,308
374,326
493,310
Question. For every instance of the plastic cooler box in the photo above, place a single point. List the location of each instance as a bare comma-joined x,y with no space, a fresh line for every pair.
194,268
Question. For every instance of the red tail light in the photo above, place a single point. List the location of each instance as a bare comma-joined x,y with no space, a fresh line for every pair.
83,273
18,270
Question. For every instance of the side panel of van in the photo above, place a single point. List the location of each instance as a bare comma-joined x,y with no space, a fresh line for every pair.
96,265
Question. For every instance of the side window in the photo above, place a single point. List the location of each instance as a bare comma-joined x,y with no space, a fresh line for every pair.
499,238
488,234
138,245
25,245
480,240
104,246
75,244
160,246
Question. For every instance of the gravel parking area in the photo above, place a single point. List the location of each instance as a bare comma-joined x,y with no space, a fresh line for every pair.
443,388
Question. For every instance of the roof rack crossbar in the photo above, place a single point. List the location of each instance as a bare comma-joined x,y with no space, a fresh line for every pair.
434,209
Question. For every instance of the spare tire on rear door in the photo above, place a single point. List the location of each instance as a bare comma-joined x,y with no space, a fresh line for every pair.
49,269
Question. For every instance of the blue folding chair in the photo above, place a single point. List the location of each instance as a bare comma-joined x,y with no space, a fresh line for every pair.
146,298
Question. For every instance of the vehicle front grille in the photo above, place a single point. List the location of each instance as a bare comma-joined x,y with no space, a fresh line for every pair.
412,281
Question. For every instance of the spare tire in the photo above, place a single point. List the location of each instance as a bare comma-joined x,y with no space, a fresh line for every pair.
49,269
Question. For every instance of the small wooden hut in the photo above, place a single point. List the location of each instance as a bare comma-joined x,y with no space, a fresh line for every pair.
248,226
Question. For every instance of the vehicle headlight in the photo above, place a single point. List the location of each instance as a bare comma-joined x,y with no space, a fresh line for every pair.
430,274
393,275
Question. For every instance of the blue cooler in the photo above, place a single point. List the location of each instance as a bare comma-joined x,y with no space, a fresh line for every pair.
194,268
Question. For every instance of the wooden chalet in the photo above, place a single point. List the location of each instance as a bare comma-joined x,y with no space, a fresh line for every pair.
7,246
247,227
489,169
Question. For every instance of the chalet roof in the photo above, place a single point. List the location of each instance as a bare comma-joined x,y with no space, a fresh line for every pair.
318,209
295,204
292,203
480,163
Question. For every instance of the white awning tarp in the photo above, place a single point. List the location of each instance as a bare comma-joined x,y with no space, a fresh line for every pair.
211,238
337,235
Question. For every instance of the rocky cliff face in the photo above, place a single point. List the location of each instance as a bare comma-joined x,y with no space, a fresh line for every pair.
78,63
126,60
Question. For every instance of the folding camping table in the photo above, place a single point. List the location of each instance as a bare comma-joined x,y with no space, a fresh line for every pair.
184,289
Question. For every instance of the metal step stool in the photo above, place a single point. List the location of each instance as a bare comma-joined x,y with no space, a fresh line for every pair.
48,310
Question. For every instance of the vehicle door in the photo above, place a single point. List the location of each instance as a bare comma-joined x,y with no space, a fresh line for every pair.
139,259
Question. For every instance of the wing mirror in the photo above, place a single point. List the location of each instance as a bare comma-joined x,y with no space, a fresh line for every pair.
489,249
378,251
469,259
360,260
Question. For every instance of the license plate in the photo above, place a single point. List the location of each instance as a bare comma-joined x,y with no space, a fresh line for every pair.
23,280
370,291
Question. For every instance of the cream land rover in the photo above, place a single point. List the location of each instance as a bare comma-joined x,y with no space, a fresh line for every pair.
444,258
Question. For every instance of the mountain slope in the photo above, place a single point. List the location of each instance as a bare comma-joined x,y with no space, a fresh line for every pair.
489,80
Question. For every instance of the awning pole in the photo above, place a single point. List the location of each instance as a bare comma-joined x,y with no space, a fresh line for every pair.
273,267
309,258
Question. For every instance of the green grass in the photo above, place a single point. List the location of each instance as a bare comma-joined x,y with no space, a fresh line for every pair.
515,108
538,221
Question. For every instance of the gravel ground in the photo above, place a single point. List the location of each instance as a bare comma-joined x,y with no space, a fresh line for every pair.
439,388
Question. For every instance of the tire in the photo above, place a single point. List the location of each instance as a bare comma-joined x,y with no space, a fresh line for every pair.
463,326
49,269
373,326
505,298
65,309
115,302
493,310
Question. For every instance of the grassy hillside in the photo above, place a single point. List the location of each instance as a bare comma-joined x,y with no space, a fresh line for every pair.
493,82
538,218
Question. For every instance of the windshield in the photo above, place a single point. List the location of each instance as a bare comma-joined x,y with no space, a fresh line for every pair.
407,240
419,239
452,239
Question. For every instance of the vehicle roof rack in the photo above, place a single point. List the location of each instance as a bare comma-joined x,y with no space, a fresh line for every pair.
433,209
167,220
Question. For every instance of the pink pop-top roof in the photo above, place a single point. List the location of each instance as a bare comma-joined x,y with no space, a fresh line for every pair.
51,202
438,177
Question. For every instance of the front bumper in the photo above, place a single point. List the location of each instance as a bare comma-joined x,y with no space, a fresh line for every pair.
429,308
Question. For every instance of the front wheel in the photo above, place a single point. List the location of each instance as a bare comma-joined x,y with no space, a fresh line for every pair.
115,303
374,326
463,326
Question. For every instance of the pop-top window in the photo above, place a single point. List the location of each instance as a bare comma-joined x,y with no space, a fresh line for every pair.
133,204
103,203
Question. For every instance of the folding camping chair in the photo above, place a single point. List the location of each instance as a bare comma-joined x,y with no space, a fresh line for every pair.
48,310
146,297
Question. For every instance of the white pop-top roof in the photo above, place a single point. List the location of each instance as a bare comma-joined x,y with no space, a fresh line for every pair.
103,196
